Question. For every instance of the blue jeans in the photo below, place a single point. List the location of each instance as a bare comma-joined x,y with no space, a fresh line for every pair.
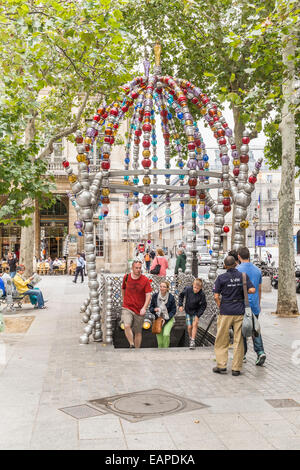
38,294
12,274
257,344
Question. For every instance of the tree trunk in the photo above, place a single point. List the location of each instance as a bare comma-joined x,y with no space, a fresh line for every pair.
287,299
28,233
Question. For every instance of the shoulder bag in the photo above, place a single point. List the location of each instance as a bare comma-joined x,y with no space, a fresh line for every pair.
156,269
157,325
250,326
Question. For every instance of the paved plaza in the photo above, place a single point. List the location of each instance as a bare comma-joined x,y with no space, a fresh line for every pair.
46,369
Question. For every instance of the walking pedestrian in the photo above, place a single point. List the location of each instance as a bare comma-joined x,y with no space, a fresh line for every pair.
195,305
163,305
147,261
136,294
180,261
79,268
255,277
162,261
232,309
12,263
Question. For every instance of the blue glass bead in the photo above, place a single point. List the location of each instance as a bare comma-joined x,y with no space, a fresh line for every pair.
126,178
154,142
170,115
126,212
152,111
207,215
205,157
154,159
136,181
181,204
135,193
180,115
73,203
167,176
132,126
100,217
128,146
155,196
168,212
194,215
181,177
80,234
127,160
181,164
168,220
155,218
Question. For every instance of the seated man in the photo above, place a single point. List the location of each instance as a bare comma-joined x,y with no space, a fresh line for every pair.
24,289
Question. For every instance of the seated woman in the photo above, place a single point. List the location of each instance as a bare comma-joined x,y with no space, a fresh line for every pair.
163,305
23,288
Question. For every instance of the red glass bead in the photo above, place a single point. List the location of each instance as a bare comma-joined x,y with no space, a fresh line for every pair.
137,141
147,127
226,201
220,132
195,100
66,164
124,109
105,115
244,158
191,146
147,199
138,132
146,163
105,165
227,209
114,112
96,118
79,140
202,196
134,95
193,192
211,112
252,179
146,144
226,229
225,125
236,171
245,140
192,182
233,146
222,141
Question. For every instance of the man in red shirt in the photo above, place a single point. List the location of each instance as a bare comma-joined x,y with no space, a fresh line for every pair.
136,293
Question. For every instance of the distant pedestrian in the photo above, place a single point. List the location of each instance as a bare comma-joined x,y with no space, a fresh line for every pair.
229,297
163,305
180,261
195,305
162,261
84,268
136,294
79,268
255,277
147,261
12,263
152,254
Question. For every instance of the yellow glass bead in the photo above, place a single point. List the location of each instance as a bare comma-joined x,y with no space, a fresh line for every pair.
206,165
126,183
88,140
72,178
176,136
146,153
203,111
136,215
110,124
226,193
80,157
219,113
236,162
146,180
188,122
105,192
202,202
193,202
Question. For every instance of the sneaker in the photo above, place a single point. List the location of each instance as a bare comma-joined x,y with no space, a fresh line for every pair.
236,372
132,346
192,344
261,359
217,370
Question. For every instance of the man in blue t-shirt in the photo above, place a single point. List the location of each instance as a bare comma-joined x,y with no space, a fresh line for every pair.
254,299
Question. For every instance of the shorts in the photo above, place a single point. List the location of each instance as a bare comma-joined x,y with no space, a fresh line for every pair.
190,319
133,320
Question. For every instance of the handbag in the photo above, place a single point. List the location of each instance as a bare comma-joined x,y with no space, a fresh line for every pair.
157,325
156,269
250,325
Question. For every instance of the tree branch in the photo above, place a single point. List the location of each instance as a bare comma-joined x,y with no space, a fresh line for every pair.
49,148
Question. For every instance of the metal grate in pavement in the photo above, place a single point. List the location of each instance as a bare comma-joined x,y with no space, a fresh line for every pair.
81,411
148,404
283,403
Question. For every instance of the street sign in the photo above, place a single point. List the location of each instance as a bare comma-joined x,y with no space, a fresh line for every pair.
260,238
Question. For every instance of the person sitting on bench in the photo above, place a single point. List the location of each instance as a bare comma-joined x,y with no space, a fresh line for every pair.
24,289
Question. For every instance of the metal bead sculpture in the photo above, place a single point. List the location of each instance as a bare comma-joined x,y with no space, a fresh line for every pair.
169,98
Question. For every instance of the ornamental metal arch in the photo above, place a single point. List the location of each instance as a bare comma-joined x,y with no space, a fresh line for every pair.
169,97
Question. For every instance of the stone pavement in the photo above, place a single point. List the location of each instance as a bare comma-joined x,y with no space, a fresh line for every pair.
46,369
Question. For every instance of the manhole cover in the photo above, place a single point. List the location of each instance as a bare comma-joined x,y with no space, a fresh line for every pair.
148,404
283,403
82,411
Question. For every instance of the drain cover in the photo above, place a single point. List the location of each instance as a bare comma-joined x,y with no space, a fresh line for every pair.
81,411
148,404
283,403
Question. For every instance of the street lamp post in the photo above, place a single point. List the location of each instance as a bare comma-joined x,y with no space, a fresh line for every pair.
255,221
